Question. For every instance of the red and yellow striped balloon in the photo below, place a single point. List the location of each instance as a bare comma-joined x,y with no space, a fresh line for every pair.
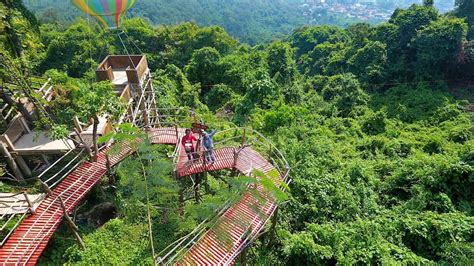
108,12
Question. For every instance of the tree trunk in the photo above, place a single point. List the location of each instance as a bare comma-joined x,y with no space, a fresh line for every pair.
181,193
81,140
94,138
20,107
197,184
11,162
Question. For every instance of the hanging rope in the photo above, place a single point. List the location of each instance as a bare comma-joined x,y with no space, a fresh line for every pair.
126,50
133,42
90,37
147,206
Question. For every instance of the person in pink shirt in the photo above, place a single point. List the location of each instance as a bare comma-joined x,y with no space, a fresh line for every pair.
188,144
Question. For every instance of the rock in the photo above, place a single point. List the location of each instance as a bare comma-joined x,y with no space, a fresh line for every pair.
99,214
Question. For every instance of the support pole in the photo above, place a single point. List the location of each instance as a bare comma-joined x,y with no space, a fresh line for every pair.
273,227
270,152
45,187
30,205
108,165
86,146
181,193
11,163
243,256
45,160
72,226
146,119
244,136
24,167
197,196
236,157
176,130
205,179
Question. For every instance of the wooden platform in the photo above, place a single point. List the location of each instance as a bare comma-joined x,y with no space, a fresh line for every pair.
37,143
14,204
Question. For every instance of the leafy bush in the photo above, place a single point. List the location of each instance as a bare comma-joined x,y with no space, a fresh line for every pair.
115,243
374,123
346,93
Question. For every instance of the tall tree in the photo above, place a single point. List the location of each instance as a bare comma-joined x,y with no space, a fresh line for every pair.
95,101
465,8
281,62
204,67
19,52
438,46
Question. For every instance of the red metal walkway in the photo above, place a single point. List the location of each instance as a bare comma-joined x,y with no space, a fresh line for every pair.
220,245
242,222
26,244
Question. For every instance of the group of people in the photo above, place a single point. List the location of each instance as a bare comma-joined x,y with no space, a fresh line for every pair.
205,139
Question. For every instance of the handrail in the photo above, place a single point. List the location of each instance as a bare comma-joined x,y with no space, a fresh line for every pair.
13,229
221,210
67,165
22,202
245,242
48,207
222,143
53,164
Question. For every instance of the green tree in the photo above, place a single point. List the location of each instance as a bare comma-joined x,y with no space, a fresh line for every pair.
465,8
204,68
281,63
92,102
409,22
76,50
438,46
346,94
369,63
304,39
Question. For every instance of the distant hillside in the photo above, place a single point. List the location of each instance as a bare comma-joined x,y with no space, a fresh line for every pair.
249,21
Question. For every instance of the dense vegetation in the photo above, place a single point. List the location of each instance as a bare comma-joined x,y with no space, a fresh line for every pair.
382,154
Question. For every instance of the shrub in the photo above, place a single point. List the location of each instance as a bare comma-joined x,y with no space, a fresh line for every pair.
374,123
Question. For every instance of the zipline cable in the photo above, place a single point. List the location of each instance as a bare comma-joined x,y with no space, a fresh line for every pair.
90,37
133,42
126,50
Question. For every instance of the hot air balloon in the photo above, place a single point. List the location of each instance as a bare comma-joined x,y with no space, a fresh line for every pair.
108,12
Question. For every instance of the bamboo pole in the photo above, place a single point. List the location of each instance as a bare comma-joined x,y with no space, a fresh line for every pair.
181,193
23,165
30,205
243,138
197,182
11,162
86,147
45,187
72,225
